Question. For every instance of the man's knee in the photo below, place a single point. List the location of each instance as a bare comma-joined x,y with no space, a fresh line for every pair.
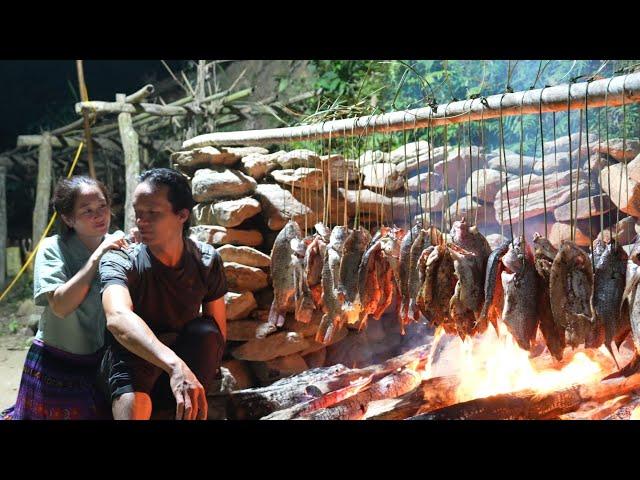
132,406
203,327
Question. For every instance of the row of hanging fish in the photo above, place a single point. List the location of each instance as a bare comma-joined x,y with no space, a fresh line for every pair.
457,282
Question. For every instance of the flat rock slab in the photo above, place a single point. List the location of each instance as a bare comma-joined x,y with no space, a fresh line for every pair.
619,150
279,206
381,175
243,330
242,278
410,150
468,208
582,208
562,231
485,183
281,367
425,182
230,213
203,157
623,191
562,143
437,201
299,158
372,202
239,305
303,177
209,184
258,165
216,235
276,345
373,156
244,255
624,231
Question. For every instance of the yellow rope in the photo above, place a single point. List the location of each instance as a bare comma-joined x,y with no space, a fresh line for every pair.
44,234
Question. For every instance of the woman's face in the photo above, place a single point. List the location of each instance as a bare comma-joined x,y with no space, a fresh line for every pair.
91,214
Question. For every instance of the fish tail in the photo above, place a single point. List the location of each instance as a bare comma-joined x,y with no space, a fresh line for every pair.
275,317
610,348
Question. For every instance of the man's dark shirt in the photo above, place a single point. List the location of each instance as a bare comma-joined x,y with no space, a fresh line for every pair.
166,298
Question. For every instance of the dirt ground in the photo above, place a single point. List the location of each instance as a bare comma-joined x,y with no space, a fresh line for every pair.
13,350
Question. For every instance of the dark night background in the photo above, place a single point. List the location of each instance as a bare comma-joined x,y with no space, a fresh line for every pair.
40,94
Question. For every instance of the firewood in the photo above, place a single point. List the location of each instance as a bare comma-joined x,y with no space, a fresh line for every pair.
254,403
436,392
355,407
527,404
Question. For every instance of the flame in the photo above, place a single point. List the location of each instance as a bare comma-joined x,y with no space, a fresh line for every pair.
635,415
492,364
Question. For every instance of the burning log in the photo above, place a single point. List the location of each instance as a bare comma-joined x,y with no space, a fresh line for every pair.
433,393
529,405
355,407
318,382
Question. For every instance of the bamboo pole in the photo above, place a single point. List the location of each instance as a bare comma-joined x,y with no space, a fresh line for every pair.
84,95
43,189
130,146
529,102
3,223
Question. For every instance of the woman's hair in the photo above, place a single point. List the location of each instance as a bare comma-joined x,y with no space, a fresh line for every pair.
179,194
66,194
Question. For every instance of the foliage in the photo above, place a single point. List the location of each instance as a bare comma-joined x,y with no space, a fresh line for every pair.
364,87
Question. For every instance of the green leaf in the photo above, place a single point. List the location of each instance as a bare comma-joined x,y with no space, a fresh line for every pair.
283,84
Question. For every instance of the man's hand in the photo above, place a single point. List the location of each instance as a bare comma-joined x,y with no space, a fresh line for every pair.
191,400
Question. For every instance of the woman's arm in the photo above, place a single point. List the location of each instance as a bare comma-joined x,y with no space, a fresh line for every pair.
66,298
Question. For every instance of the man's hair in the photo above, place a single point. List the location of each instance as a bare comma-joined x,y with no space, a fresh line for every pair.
179,194
66,193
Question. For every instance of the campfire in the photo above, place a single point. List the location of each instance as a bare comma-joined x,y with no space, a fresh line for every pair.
485,377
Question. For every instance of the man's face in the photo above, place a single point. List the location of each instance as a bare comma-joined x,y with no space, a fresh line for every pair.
155,218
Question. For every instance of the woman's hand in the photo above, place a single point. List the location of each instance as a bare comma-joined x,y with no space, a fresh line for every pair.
111,243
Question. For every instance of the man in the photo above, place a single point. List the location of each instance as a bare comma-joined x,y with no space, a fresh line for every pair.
161,351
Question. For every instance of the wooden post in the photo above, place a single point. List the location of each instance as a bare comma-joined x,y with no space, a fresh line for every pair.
129,139
3,224
43,189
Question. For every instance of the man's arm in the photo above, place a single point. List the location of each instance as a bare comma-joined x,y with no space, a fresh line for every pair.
133,333
218,311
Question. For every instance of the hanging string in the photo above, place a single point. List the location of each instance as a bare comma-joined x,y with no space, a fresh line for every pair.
586,126
544,184
484,154
624,143
390,134
578,168
416,142
458,159
406,174
445,145
475,220
522,171
601,166
606,120
503,164
570,164
430,164
555,153
327,219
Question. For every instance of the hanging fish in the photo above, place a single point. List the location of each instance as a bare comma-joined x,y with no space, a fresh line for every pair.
493,294
544,253
283,281
467,299
571,293
520,285
332,305
609,282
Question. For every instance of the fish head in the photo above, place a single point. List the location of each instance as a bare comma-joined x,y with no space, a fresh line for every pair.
460,230
542,247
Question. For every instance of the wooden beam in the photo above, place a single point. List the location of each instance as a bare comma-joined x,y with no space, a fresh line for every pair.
552,99
140,95
55,142
43,188
121,107
130,146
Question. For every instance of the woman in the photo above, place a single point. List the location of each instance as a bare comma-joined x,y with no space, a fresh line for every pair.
60,369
